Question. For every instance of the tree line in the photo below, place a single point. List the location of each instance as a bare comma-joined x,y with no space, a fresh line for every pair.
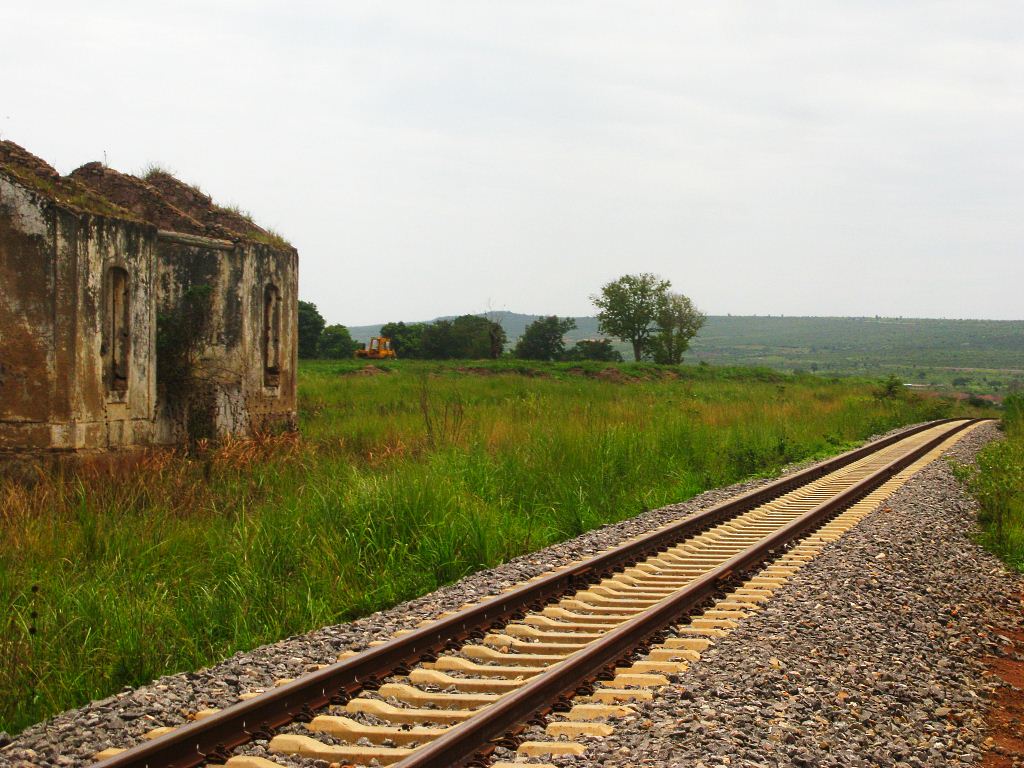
641,310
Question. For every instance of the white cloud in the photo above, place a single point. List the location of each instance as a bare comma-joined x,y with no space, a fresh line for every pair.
438,157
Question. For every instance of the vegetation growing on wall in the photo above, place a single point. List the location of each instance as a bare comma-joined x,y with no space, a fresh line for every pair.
184,387
40,177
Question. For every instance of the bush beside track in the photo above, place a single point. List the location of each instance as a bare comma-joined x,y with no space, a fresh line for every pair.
998,483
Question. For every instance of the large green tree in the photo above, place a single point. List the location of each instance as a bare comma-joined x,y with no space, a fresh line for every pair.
406,338
437,341
476,338
336,343
544,339
678,321
498,339
311,325
628,308
468,337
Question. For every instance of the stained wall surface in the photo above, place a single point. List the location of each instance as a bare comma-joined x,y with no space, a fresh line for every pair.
93,288
54,389
234,393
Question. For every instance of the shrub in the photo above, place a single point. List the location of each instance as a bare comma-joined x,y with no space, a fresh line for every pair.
544,338
997,481
594,349
336,343
892,387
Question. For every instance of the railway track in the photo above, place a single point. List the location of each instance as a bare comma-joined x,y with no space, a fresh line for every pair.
565,650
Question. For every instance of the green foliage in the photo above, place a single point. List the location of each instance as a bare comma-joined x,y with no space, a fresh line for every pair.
997,481
399,484
591,349
981,356
628,308
436,341
69,192
269,236
406,340
657,323
1013,417
544,339
928,352
678,321
477,338
311,325
468,337
891,387
336,343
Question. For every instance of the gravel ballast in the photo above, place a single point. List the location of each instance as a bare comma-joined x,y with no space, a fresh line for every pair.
868,656
922,547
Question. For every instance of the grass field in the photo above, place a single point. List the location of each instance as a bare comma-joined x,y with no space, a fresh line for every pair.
404,478
974,356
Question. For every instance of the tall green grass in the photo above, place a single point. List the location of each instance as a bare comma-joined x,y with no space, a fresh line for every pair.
998,483
401,482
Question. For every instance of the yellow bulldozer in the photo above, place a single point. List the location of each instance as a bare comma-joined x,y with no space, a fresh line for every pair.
379,348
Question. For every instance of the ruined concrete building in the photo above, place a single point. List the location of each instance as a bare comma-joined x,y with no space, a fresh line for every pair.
137,312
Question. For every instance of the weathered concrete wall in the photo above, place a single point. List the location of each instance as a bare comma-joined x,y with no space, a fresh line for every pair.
105,417
200,284
53,263
29,389
271,406
225,392
116,332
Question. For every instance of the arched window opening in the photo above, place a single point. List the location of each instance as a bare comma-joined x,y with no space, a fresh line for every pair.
271,336
116,343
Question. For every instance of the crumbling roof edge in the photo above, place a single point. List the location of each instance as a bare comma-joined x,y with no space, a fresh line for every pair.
196,203
86,200
187,206
141,199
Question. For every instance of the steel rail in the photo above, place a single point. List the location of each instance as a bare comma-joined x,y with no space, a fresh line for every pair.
214,736
462,742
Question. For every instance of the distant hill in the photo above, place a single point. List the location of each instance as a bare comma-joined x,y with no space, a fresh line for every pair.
970,355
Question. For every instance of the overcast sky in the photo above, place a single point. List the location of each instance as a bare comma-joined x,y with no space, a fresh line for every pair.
432,158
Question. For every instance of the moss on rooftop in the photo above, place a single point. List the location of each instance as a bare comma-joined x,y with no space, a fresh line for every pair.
158,198
39,176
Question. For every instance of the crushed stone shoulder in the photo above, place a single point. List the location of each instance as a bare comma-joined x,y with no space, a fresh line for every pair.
871,655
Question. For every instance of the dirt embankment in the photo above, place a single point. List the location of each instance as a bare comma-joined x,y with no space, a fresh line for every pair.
1006,714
